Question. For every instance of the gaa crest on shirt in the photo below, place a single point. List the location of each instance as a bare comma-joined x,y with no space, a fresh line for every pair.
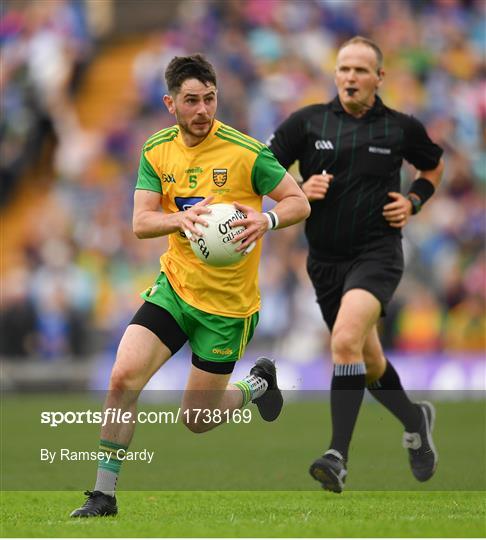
220,176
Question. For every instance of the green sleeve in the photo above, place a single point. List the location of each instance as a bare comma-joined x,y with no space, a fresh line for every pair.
147,177
266,173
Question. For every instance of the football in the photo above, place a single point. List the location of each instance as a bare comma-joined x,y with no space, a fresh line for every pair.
215,247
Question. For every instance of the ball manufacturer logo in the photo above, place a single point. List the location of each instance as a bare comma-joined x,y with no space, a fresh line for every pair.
224,228
230,236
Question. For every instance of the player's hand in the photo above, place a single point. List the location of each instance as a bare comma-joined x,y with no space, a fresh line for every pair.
398,211
255,223
188,218
315,188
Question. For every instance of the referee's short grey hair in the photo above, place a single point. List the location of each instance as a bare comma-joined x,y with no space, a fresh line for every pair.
360,40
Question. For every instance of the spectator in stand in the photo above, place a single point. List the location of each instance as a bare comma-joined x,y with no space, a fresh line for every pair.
289,67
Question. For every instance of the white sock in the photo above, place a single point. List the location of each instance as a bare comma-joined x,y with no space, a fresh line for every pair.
106,481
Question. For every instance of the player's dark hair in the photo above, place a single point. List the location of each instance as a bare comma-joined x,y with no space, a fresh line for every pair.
182,68
360,40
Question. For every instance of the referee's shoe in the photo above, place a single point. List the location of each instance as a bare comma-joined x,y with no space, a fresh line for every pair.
422,454
330,470
97,504
271,402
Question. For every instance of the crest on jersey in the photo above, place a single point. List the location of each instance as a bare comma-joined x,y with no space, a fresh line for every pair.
220,176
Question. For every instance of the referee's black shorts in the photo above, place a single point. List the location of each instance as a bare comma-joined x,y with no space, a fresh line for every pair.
377,269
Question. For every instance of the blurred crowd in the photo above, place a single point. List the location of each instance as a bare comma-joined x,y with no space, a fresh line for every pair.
75,283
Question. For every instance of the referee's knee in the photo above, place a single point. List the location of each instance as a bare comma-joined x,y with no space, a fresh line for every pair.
346,347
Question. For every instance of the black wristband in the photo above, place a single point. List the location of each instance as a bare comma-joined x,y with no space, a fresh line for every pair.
272,219
423,188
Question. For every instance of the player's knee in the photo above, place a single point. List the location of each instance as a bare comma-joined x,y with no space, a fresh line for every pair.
126,373
193,425
123,378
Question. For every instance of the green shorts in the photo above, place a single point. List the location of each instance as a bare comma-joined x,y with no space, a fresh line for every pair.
211,337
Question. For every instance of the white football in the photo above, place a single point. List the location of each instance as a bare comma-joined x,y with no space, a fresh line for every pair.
215,247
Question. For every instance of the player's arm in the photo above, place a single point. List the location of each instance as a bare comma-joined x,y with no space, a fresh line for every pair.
292,206
149,221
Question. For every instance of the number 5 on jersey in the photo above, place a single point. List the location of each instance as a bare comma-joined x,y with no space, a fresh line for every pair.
192,181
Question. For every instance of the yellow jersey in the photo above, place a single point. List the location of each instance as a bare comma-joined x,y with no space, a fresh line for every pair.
230,166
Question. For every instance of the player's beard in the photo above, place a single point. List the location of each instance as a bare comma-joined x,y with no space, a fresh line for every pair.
186,128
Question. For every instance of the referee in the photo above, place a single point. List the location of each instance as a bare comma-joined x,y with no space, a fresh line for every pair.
350,152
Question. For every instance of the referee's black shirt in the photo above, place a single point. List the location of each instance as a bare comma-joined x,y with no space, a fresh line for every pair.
365,156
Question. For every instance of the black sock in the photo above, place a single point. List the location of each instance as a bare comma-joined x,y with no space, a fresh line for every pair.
347,390
388,390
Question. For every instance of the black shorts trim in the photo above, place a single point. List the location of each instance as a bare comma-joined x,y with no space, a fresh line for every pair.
222,368
159,321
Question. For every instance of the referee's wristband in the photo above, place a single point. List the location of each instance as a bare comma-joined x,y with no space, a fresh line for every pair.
416,204
423,188
272,219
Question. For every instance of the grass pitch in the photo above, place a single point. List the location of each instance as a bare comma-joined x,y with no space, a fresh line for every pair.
252,514
246,480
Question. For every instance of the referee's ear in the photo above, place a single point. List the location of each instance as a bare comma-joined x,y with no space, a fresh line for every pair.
380,74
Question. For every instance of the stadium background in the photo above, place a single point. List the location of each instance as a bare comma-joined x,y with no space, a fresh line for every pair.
81,90
81,83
